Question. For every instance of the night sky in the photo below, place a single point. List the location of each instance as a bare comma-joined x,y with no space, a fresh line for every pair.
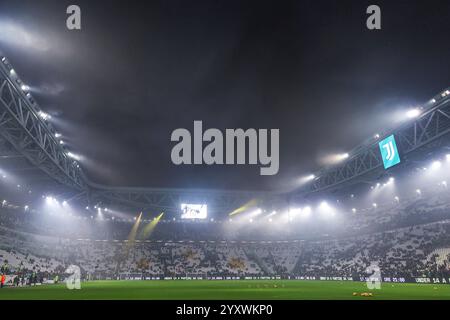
140,69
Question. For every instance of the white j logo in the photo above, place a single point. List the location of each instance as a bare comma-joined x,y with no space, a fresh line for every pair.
390,151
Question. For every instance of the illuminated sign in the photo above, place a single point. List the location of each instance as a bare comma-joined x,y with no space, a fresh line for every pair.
194,211
389,152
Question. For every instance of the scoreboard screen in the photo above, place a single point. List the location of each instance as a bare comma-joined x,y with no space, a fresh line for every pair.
194,211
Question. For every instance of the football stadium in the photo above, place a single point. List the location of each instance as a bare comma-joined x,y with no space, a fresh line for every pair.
87,213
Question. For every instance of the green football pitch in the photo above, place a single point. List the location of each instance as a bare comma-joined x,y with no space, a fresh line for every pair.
229,289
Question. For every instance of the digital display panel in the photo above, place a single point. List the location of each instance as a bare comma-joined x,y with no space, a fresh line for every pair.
389,152
194,211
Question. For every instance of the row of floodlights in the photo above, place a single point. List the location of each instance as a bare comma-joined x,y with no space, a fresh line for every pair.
43,115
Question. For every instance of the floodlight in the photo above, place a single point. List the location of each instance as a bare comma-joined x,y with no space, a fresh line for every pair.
436,165
413,113
44,115
306,212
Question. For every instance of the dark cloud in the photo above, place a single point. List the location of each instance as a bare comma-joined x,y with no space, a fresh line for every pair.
138,70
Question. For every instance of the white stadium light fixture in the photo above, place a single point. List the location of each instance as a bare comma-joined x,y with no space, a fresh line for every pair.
307,178
334,158
413,113
49,200
324,205
326,210
57,135
44,115
436,165
295,211
354,210
255,212
73,156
